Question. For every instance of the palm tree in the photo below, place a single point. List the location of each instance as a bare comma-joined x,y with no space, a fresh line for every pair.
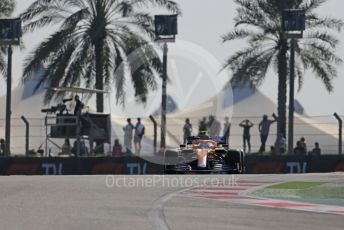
95,37
259,22
6,9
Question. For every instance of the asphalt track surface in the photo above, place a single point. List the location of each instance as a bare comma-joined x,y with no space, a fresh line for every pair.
145,202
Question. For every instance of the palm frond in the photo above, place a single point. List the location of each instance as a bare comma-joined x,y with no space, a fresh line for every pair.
324,37
119,77
314,22
322,52
299,76
239,56
7,8
2,66
45,8
169,5
312,4
78,66
44,52
250,66
41,22
140,63
56,70
125,8
236,34
324,70
256,14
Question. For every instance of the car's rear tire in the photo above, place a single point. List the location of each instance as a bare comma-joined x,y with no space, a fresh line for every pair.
234,156
235,159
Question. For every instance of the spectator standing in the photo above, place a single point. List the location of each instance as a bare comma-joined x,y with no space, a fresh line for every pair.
2,147
139,132
66,147
303,143
227,129
264,129
246,125
217,127
78,106
187,130
128,135
202,127
280,144
299,149
82,147
316,151
117,149
214,127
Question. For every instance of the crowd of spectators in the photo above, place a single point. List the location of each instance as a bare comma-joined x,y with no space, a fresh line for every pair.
213,127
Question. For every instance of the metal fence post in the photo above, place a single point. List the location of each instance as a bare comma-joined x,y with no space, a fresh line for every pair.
340,123
155,125
27,134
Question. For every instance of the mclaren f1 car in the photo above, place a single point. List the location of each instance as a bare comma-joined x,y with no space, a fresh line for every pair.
203,154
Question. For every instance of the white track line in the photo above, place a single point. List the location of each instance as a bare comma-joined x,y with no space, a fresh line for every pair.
156,213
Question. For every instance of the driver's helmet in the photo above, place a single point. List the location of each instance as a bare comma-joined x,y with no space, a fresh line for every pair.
204,135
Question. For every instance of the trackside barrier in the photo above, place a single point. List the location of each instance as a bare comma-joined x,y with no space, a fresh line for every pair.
293,164
78,166
137,166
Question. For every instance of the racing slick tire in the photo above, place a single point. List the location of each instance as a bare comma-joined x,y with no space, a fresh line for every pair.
236,159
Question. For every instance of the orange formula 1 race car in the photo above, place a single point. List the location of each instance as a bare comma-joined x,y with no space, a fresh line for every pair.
203,154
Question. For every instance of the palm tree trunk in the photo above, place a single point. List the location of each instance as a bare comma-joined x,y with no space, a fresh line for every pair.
98,46
99,52
282,87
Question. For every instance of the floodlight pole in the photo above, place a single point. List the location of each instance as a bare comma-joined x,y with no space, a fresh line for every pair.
165,30
293,20
164,99
8,102
291,99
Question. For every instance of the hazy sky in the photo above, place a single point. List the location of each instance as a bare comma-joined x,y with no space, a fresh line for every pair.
202,23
